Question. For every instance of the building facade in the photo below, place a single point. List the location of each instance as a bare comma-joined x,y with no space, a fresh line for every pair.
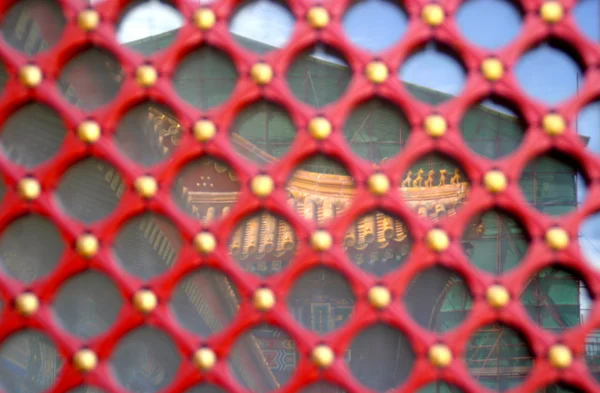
319,190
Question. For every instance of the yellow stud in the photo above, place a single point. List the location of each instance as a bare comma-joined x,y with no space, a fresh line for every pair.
30,75
145,300
85,360
437,240
378,183
29,189
205,242
377,72
557,239
495,181
318,17
321,240
552,11
146,186
262,185
146,75
433,15
319,128
440,355
435,125
88,20
204,359
263,299
322,356
88,131
27,304
204,18
379,296
204,130
261,73
87,245
554,124
492,69
560,356
497,296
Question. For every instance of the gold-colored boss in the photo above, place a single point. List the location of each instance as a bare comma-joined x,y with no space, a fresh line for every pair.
263,299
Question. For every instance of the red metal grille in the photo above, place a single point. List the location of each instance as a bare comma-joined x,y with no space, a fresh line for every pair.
536,142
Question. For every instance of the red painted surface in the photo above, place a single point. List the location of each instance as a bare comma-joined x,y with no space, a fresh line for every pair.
535,143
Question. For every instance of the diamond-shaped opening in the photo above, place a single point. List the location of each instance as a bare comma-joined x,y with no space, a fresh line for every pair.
319,76
320,188
375,24
32,135
147,245
30,248
588,124
148,133
589,239
91,79
493,128
148,26
585,13
205,301
33,26
269,342
206,188
495,241
553,183
489,23
321,300
205,77
380,357
262,132
31,353
263,243
435,186
438,299
592,353
90,190
145,360
378,242
550,72
557,299
433,74
262,25
498,357
205,388
376,130
88,304
441,387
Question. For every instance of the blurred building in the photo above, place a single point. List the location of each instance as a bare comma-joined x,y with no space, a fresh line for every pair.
320,189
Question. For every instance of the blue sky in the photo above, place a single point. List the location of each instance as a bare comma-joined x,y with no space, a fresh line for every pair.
545,72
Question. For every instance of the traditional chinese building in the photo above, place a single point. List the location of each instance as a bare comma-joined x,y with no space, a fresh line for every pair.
264,244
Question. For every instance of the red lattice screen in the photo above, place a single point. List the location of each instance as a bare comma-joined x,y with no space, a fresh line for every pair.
21,198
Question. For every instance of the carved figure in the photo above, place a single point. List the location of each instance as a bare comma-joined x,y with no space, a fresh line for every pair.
418,182
407,180
442,177
456,177
430,177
